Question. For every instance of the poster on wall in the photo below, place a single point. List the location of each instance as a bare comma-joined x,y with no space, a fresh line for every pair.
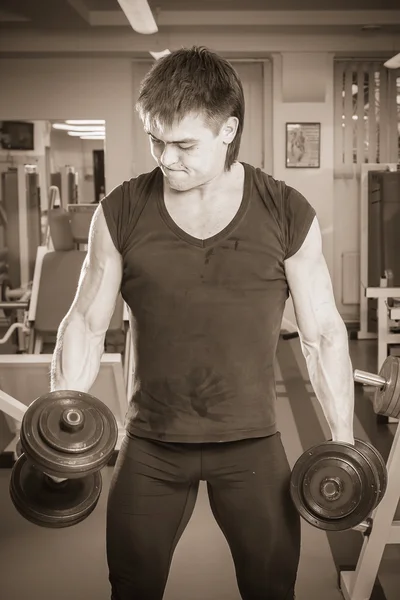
303,145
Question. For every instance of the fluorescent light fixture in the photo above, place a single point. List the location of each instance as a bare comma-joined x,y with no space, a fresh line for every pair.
80,133
65,127
93,137
393,63
86,122
139,16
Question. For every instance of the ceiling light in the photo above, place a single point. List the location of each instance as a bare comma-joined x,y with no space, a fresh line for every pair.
139,15
393,63
79,133
86,122
92,137
65,127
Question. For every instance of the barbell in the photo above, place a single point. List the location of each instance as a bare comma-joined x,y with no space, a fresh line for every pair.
66,438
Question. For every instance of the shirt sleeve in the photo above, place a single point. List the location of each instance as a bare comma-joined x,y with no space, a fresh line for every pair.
297,217
116,209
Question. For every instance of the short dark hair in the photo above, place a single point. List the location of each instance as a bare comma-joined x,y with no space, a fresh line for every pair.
193,80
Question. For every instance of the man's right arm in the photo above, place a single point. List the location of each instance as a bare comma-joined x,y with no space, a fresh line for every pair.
81,334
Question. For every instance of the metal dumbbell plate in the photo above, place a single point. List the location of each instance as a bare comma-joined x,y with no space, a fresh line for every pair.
334,487
387,400
48,504
377,463
18,449
68,434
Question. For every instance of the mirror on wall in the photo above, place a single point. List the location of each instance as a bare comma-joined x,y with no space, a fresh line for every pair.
76,152
56,148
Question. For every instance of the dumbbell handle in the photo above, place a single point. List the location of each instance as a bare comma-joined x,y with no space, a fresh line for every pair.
369,379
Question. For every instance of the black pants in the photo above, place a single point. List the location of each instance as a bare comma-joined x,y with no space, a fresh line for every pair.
152,497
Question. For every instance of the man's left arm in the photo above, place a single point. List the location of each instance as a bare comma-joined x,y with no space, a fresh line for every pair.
323,334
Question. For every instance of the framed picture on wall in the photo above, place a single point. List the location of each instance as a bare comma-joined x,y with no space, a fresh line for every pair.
303,145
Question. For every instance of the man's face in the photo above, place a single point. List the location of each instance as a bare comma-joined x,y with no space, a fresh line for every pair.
188,153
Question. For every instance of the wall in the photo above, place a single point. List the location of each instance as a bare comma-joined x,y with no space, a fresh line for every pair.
303,92
79,88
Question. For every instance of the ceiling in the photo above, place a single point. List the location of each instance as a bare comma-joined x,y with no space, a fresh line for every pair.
92,14
255,4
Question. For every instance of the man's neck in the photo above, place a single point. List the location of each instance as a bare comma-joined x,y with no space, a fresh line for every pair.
212,188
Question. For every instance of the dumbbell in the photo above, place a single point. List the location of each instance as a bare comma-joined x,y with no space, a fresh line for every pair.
335,486
387,384
66,438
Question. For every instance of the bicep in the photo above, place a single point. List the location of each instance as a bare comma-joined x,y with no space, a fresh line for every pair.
100,279
311,289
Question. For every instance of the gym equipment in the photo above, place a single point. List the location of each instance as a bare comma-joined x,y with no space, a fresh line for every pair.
67,182
66,438
379,287
21,202
68,434
53,504
81,216
387,383
383,240
21,225
335,486
98,175
59,232
18,449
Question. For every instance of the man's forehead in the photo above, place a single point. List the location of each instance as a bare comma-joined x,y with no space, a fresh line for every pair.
189,129
171,138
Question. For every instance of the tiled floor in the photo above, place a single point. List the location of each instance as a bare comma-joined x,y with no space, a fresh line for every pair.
70,564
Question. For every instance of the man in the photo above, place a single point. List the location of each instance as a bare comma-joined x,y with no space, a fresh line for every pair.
204,250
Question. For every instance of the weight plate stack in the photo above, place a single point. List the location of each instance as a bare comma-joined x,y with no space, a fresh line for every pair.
333,486
387,400
46,503
68,434
377,464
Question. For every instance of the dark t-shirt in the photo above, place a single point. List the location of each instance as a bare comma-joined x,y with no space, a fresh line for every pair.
205,314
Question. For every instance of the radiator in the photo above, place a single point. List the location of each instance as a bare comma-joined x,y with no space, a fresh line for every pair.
351,278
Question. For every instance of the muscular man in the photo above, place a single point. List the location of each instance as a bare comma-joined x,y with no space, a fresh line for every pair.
204,250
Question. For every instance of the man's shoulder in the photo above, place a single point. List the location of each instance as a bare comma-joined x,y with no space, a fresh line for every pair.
267,185
142,180
130,189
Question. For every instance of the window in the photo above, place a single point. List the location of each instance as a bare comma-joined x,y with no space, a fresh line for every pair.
367,114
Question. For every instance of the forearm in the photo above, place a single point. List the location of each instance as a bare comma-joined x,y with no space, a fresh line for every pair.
77,356
331,376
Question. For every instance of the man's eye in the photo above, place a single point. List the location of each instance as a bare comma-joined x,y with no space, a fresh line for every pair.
155,141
